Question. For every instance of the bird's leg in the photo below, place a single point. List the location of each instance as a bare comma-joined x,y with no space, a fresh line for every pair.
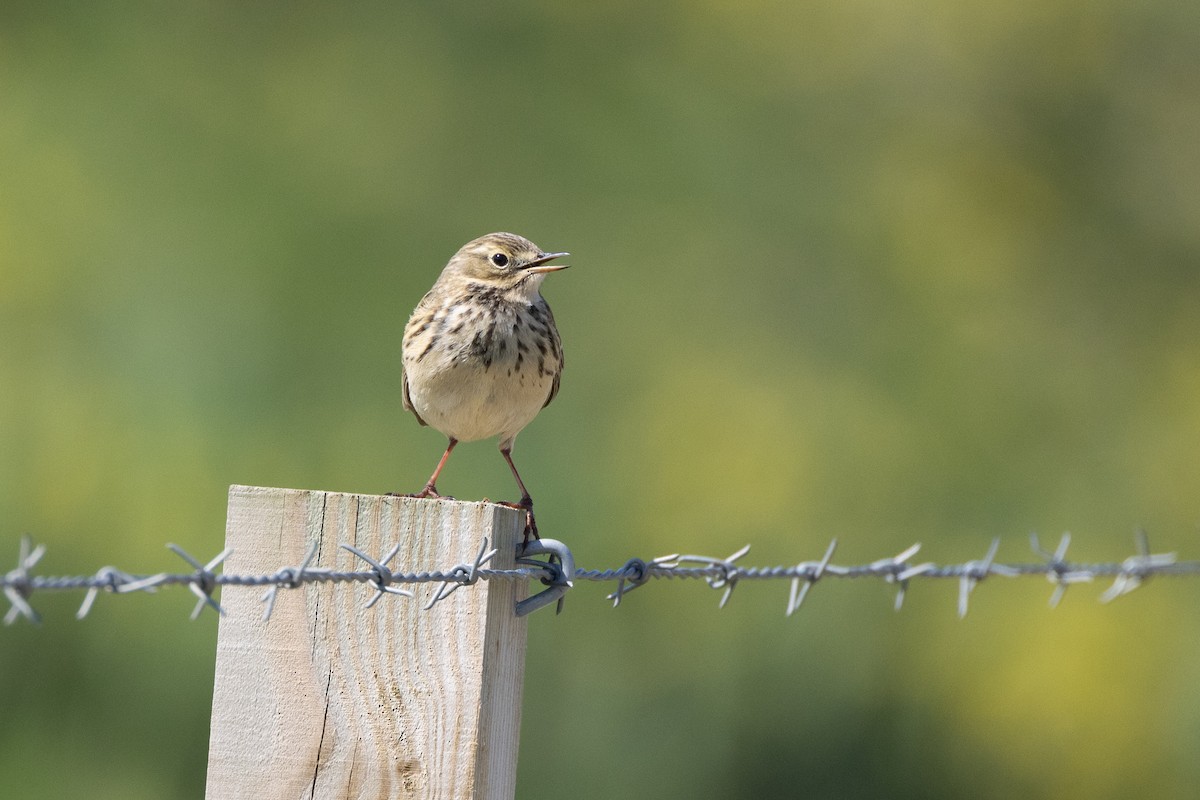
430,489
526,502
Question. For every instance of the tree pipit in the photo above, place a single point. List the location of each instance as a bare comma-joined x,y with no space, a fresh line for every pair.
481,353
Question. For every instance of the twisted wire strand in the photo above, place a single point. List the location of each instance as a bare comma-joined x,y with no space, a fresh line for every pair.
19,585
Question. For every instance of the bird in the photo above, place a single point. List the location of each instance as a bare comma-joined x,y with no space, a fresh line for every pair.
481,352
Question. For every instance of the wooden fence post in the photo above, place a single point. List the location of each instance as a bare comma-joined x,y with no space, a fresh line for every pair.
329,699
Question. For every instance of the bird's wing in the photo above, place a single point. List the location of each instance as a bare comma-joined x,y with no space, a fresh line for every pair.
553,389
561,360
408,400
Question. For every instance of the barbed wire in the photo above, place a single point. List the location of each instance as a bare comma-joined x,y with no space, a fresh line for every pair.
559,574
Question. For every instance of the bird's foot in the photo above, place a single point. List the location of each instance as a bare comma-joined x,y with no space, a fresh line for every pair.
429,492
526,505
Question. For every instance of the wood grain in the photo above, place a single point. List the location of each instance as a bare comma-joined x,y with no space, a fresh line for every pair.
332,700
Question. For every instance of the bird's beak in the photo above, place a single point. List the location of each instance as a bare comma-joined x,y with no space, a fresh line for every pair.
540,265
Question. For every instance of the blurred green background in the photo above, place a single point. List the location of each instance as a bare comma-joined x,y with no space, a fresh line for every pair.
891,272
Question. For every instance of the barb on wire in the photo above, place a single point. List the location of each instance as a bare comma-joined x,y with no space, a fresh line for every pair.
810,572
292,578
637,572
559,574
725,573
382,576
975,571
462,575
204,581
17,584
896,570
110,579
1136,569
1060,574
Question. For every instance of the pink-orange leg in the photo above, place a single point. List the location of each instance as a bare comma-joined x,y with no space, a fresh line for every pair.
430,489
526,502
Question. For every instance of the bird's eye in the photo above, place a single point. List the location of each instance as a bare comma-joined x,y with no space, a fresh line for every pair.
500,260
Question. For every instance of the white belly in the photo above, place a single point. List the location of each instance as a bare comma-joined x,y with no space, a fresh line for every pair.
464,400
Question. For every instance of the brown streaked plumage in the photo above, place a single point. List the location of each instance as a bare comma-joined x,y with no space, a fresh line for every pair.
481,352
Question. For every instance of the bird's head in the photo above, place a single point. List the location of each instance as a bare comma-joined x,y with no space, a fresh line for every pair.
503,260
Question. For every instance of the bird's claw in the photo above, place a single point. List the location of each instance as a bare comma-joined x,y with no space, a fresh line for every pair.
526,505
531,530
428,493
